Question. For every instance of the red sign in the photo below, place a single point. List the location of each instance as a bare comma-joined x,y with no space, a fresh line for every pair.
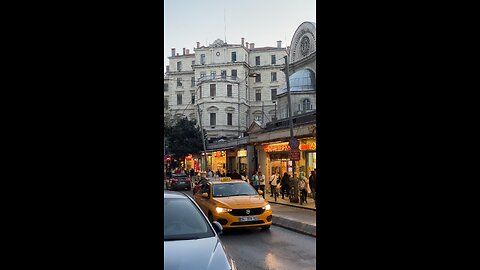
294,155
294,143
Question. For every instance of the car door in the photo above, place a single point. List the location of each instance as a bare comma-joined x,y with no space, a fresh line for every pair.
201,201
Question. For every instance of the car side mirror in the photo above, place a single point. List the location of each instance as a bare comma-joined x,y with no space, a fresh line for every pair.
217,227
205,195
260,192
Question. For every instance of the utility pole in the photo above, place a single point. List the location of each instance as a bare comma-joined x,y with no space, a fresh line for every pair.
203,137
290,120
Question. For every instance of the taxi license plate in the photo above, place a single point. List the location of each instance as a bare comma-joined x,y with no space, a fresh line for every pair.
249,218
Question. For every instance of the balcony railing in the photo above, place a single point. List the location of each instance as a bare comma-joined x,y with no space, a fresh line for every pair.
218,78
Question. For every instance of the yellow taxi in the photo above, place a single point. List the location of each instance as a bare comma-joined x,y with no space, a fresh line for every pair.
234,204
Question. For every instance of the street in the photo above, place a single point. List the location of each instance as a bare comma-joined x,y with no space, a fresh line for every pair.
277,248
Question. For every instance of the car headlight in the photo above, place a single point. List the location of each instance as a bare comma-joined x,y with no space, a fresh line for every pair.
267,207
222,210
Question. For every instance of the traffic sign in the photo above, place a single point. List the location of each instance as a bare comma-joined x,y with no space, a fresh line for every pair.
294,143
295,155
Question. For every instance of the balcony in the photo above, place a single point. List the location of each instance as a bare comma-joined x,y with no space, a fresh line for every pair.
218,78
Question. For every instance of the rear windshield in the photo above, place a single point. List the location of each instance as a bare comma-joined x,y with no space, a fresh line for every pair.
233,189
184,221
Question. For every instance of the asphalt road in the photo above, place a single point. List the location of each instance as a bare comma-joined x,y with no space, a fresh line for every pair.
273,249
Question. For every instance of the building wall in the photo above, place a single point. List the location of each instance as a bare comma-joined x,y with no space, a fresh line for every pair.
242,104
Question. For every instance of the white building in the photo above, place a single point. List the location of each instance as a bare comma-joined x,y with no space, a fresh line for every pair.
232,85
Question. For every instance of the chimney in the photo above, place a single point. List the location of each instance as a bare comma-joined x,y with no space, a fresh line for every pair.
173,51
247,45
279,44
252,45
198,44
183,51
243,41
188,51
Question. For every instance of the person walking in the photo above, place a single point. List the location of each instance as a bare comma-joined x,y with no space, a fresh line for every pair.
261,182
312,181
285,182
303,186
255,181
273,184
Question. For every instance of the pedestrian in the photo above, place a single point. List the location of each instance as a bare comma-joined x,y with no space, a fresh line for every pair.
273,184
255,181
261,182
244,177
285,182
210,174
303,186
312,183
192,172
235,175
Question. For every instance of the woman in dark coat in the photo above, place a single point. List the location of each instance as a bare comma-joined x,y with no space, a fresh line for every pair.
285,182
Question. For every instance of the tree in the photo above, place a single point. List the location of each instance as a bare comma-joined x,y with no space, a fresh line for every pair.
183,137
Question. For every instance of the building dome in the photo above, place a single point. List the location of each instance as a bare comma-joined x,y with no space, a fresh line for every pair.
302,80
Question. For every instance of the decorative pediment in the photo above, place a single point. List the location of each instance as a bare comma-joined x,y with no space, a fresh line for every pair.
212,109
255,127
230,109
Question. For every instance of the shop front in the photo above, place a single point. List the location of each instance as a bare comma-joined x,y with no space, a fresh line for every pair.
278,157
242,161
217,161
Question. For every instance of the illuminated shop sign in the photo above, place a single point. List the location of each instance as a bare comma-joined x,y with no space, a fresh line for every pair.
276,147
305,145
242,153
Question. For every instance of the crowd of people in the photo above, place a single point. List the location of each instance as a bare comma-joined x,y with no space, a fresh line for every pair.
279,185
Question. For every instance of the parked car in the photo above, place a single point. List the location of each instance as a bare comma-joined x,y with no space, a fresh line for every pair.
234,204
180,182
190,241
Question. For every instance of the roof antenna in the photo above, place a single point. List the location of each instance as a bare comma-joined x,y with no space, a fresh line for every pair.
225,23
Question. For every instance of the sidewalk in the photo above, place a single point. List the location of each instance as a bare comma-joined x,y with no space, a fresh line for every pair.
295,219
310,205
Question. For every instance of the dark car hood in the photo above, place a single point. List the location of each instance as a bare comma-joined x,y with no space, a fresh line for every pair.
199,254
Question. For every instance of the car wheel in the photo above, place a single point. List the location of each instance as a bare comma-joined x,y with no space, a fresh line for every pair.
210,217
266,227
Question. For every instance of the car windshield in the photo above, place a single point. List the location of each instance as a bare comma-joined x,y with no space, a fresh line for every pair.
184,221
180,176
233,189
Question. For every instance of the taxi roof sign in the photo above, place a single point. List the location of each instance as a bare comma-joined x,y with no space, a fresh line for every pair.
225,179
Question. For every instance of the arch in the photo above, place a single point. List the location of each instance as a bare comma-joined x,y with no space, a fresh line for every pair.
303,41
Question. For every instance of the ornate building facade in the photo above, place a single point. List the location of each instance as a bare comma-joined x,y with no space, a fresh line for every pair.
231,85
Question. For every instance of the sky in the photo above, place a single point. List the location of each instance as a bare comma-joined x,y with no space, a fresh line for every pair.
262,22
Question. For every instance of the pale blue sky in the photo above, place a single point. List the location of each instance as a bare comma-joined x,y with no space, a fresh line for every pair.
262,22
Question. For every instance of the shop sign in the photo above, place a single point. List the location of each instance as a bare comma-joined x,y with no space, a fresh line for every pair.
276,147
295,155
242,153
231,154
309,145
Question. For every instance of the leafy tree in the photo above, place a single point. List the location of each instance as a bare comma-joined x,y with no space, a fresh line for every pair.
183,137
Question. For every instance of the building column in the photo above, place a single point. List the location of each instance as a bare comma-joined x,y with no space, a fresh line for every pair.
251,160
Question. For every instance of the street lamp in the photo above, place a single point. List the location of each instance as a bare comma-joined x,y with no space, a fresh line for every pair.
290,120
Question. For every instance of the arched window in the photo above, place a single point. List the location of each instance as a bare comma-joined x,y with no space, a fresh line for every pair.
306,105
